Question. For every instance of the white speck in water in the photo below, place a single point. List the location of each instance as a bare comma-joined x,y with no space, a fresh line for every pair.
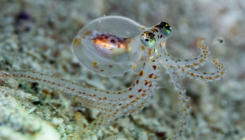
218,41
99,21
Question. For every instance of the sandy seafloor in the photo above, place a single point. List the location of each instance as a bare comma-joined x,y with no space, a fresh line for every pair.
38,34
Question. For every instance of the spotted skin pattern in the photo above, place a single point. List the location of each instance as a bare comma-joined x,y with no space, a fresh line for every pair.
114,104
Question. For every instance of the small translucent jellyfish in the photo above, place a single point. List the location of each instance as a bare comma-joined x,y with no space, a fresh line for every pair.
219,41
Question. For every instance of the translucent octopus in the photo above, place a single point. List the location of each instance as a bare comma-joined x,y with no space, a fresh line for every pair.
113,45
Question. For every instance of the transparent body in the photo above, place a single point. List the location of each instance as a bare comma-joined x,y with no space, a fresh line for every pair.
109,45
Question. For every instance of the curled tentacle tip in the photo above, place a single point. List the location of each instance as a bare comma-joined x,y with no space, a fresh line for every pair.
202,39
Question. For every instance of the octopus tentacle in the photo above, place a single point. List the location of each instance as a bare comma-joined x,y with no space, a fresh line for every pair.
188,63
208,76
184,105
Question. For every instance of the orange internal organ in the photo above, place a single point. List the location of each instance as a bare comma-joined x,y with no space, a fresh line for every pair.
111,45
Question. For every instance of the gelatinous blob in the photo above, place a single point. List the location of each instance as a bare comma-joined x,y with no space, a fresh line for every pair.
109,45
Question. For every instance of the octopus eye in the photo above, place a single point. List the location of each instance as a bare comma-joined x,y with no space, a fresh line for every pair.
165,28
148,39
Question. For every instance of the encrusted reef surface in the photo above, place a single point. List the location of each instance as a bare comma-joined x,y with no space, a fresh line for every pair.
38,34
